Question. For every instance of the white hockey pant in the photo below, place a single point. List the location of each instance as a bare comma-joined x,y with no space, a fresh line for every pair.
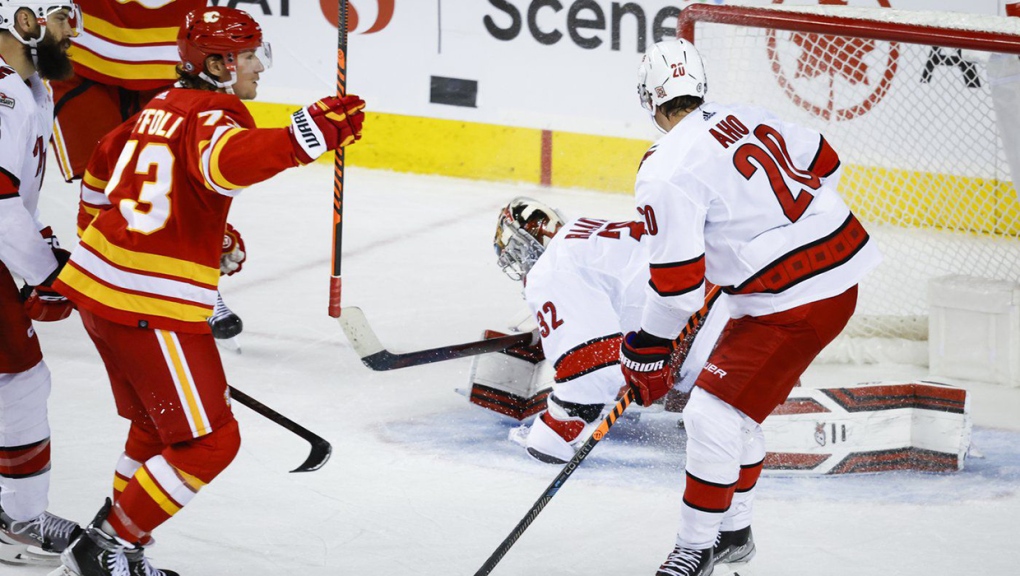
720,439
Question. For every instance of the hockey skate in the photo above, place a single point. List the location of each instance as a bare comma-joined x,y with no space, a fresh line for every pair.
733,550
139,565
38,541
734,546
687,562
95,553
225,325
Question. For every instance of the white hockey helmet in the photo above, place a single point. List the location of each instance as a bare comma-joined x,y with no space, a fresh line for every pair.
524,229
42,9
668,70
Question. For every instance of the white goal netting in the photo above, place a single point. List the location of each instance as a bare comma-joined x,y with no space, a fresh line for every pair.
915,125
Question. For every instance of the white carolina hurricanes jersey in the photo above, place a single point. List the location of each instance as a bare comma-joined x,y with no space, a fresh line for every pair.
738,197
586,291
26,119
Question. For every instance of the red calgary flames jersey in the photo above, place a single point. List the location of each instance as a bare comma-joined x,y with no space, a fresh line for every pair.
160,187
130,43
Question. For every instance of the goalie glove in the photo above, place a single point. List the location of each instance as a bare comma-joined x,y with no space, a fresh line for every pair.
647,367
233,255
326,125
42,303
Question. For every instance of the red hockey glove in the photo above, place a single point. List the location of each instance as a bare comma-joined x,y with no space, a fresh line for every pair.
645,361
42,303
326,125
233,255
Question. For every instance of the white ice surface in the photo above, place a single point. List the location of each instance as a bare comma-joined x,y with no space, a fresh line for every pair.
423,483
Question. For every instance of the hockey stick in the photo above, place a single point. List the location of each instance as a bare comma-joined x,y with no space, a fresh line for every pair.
321,449
335,282
686,335
372,353
557,483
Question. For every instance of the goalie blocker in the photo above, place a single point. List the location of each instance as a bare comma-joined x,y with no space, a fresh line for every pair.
514,382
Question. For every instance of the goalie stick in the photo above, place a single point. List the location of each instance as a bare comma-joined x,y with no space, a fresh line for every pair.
321,449
376,357
686,335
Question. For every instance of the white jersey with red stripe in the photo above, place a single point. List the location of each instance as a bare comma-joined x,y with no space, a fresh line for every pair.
26,119
737,196
586,291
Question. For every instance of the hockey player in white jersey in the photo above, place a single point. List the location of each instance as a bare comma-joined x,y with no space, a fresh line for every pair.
34,37
737,197
585,284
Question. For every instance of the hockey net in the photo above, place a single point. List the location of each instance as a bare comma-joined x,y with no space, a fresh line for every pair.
907,100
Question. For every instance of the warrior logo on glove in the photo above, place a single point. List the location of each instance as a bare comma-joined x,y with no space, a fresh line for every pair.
647,365
327,125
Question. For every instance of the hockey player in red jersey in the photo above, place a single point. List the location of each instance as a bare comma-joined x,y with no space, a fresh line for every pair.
584,282
145,272
126,54
734,196
34,37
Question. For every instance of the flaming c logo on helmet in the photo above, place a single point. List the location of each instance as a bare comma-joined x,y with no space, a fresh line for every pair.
330,9
211,17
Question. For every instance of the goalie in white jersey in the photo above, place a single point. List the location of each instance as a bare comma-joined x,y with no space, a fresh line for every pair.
34,37
584,282
735,196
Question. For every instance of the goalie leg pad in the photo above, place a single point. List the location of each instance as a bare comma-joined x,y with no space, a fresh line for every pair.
563,425
545,443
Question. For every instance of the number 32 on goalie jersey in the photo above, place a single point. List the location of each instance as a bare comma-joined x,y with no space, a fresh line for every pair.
546,327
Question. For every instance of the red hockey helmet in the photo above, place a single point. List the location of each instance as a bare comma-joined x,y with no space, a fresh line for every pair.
219,31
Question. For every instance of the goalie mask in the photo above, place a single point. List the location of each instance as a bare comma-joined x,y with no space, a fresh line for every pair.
224,32
524,229
42,10
670,69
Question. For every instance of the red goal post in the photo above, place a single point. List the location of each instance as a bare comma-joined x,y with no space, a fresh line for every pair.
917,104
868,23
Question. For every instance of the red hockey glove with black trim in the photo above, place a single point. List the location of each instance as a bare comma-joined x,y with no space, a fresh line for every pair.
233,255
326,125
645,361
44,304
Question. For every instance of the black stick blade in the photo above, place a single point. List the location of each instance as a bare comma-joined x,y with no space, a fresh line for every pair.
317,458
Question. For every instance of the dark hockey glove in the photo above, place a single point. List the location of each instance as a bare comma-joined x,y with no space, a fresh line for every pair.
646,365
44,304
